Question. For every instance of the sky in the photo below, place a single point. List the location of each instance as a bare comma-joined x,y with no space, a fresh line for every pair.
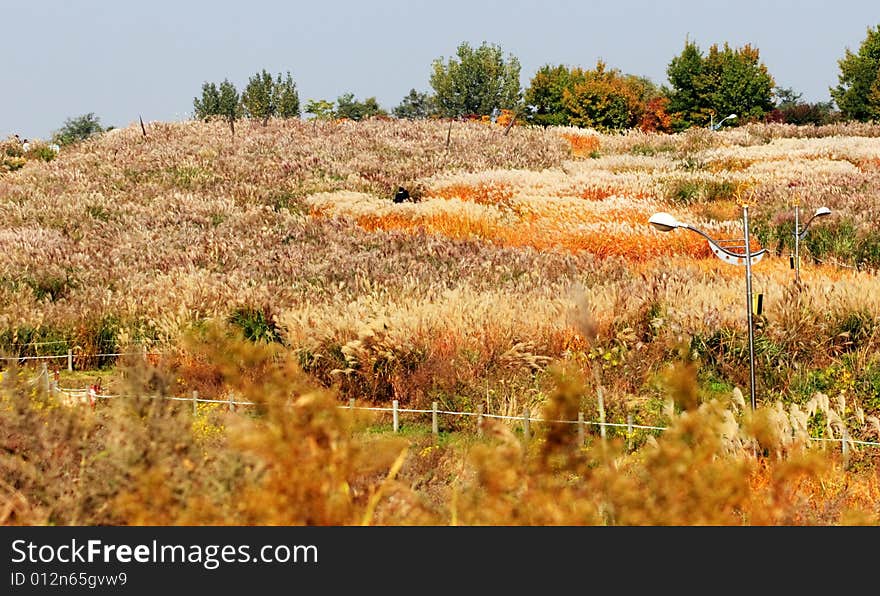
128,60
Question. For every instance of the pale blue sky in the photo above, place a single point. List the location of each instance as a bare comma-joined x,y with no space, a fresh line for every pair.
124,59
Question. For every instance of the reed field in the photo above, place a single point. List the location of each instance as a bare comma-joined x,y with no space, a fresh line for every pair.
271,266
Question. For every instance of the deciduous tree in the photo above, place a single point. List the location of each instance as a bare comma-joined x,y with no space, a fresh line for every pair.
78,129
858,92
476,82
321,109
724,81
349,107
415,106
208,104
223,101
544,96
605,99
265,98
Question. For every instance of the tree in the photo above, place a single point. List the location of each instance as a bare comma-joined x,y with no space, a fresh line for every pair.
791,110
545,94
265,98
858,92
224,101
724,81
415,106
78,129
477,82
603,99
655,116
286,97
320,108
209,104
786,97
685,74
230,102
348,107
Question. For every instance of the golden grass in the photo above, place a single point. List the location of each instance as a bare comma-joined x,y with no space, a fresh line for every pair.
523,254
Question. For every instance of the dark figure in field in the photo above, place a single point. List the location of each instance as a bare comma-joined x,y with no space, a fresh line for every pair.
401,195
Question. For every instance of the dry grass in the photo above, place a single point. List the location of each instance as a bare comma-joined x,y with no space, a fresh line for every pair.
523,255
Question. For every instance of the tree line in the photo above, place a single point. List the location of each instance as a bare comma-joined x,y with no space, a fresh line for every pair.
704,89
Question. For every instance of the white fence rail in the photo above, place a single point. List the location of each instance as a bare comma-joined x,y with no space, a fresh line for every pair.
74,395
70,355
395,410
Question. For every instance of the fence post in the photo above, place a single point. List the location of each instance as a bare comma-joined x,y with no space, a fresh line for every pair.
231,403
629,431
395,415
845,447
351,403
45,377
435,426
195,398
580,429
69,360
601,412
526,431
480,420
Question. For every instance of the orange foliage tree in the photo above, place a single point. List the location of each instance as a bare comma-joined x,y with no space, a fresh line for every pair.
655,118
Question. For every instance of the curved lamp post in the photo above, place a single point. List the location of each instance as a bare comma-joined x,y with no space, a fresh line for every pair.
800,233
716,125
666,223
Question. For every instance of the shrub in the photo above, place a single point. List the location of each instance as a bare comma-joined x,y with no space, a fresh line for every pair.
78,129
257,325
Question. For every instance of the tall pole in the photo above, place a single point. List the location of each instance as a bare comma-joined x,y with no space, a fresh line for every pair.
797,245
749,305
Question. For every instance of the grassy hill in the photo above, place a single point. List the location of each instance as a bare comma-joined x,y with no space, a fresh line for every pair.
523,274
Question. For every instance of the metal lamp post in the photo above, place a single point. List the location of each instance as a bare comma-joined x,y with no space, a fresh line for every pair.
716,125
799,235
666,223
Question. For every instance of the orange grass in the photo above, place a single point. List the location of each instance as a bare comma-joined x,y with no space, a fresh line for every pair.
487,193
636,245
869,165
582,145
597,193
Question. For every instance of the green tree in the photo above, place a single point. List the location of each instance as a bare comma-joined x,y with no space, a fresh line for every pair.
320,108
286,97
415,106
545,93
686,97
740,83
724,81
476,82
786,97
265,97
230,101
209,104
348,107
78,129
605,99
223,101
858,93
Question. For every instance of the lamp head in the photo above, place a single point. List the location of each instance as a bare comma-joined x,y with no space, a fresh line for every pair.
664,222
822,211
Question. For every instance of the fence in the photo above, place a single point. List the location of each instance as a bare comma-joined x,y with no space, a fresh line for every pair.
73,395
525,419
69,356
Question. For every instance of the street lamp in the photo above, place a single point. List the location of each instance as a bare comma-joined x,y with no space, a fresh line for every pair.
666,222
799,235
716,125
